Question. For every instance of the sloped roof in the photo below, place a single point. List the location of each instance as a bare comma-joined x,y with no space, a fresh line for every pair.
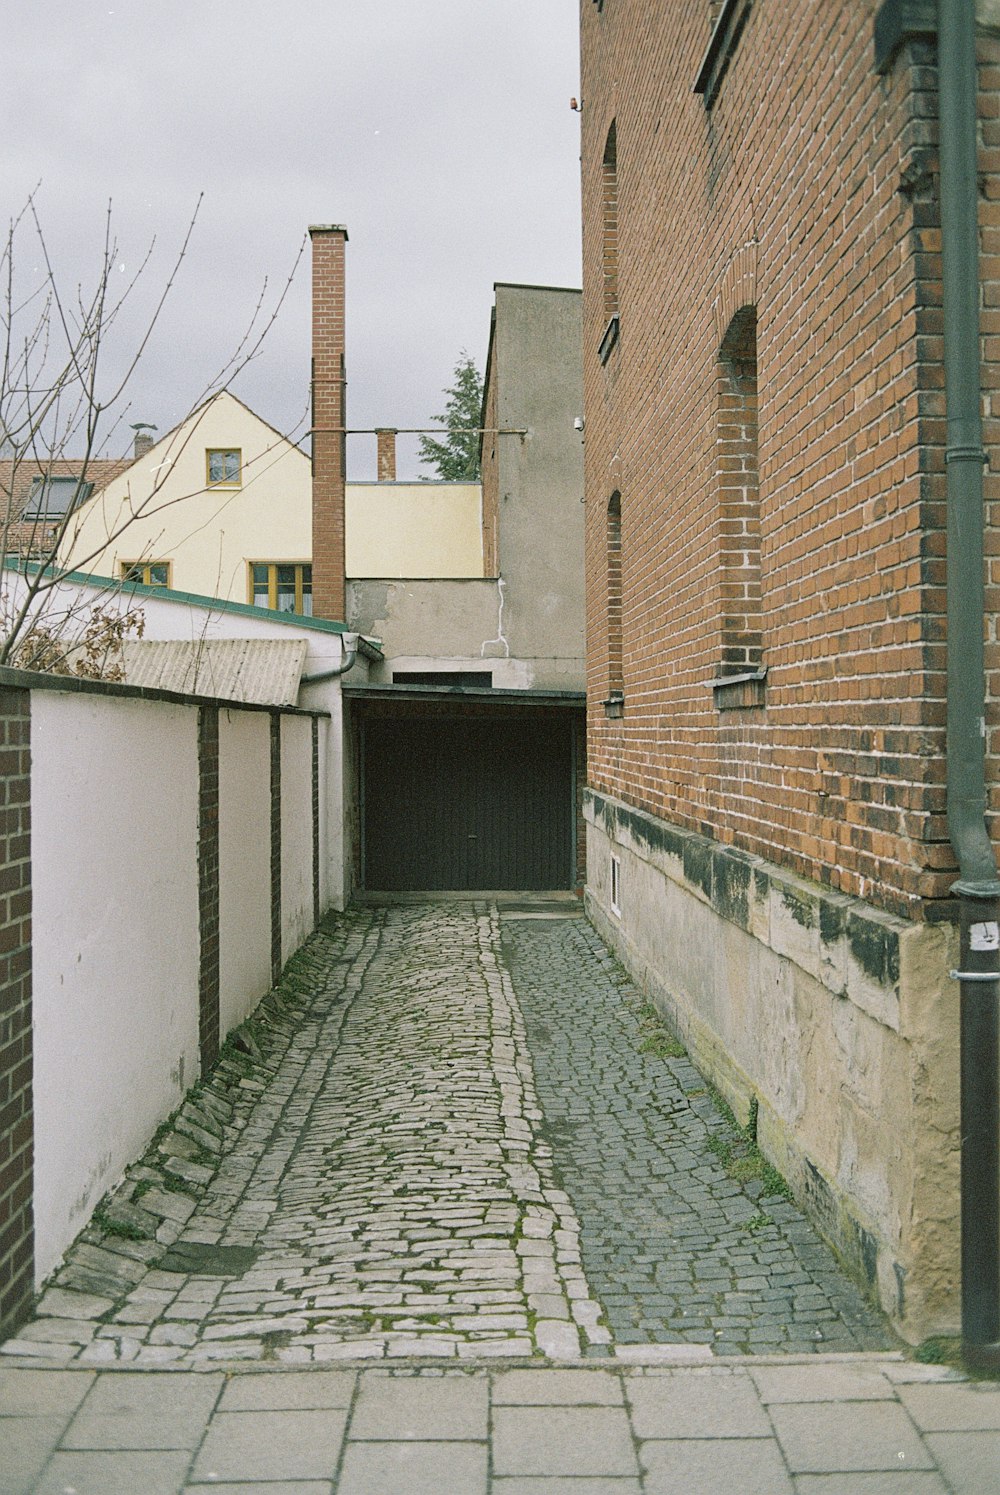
17,478
265,671
30,529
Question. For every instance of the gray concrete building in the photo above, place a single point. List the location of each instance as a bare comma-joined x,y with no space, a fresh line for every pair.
468,738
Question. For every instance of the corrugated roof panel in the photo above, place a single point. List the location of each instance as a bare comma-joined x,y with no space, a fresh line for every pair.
265,671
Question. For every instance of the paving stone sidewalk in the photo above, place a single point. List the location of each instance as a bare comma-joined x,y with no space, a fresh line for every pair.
822,1426
380,1178
675,1249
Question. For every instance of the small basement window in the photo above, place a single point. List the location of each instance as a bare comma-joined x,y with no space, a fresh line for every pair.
483,679
616,886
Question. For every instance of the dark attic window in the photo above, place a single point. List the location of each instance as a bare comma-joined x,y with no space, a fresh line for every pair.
54,498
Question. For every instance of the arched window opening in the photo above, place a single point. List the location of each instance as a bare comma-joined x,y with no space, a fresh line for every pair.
610,222
739,506
616,681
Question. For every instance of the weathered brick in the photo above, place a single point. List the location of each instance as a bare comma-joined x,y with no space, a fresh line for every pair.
782,501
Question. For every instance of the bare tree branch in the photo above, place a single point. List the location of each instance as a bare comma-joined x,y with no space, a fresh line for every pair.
56,415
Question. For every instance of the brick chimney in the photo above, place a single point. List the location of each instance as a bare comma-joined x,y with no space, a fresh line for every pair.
386,454
144,440
329,417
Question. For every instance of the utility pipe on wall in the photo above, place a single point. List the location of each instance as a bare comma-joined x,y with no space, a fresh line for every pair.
978,887
350,656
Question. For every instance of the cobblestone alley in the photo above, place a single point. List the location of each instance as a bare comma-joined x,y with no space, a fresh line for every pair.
455,1135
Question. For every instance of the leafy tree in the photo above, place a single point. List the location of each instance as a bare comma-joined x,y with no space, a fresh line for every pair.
456,457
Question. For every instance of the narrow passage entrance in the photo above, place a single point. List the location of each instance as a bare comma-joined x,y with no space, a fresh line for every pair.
450,1145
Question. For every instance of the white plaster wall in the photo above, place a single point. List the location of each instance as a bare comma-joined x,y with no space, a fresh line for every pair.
244,864
174,618
336,788
296,833
115,948
326,738
167,617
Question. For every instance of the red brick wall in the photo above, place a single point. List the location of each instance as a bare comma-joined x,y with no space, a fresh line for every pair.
809,190
329,405
386,455
17,1255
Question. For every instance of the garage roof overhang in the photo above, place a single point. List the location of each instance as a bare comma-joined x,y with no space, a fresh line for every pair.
478,694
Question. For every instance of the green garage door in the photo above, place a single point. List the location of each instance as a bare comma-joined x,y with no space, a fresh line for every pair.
468,804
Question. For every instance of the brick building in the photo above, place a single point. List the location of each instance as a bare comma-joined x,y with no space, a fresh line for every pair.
765,486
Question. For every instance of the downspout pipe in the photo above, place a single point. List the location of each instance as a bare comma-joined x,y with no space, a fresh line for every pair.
978,886
350,658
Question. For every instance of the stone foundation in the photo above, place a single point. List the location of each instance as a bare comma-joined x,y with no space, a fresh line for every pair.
839,1020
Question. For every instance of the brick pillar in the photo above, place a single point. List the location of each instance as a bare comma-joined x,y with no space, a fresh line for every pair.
275,847
315,819
329,417
17,1231
208,885
386,455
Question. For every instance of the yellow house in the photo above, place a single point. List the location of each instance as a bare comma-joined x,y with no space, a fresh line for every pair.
219,507
222,507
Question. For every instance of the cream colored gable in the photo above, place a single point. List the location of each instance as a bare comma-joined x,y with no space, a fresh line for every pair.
162,509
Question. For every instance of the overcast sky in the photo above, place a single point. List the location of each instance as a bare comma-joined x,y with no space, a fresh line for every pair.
438,131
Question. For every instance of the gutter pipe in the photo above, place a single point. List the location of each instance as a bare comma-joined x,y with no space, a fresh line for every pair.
977,887
351,641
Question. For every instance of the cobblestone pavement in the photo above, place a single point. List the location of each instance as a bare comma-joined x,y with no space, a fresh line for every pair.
822,1426
373,1178
674,1249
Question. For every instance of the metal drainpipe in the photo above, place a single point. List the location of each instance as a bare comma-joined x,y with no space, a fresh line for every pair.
977,888
351,645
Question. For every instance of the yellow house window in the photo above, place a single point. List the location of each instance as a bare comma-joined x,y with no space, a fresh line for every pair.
284,586
150,573
224,467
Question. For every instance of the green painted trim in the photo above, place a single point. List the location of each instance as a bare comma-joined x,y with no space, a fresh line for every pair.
190,599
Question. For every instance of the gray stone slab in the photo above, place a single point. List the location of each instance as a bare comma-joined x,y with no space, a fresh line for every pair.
953,1409
414,1468
123,1473
911,1482
58,1331
272,1487
530,1486
418,1407
308,1390
559,1388
25,1446
821,1383
751,1466
696,1404
843,1437
271,1446
40,1393
562,1440
134,1410
969,1462
61,1302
